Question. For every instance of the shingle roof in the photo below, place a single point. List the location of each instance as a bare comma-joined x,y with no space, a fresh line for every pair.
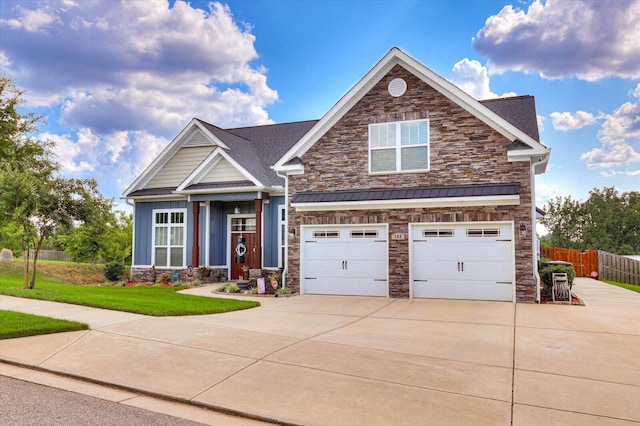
479,190
258,148
517,110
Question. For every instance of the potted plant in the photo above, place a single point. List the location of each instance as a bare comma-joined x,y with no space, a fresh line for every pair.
205,271
245,271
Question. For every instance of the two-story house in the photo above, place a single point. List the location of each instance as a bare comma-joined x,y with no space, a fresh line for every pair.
407,187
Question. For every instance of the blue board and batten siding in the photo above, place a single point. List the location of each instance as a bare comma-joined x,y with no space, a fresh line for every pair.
271,214
143,218
218,230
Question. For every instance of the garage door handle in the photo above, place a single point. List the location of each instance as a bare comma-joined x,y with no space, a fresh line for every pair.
462,265
420,281
310,278
346,264
380,279
504,282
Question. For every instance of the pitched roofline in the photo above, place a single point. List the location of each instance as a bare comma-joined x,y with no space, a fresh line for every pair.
168,152
209,163
397,57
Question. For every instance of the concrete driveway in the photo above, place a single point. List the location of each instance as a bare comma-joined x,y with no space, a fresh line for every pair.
357,360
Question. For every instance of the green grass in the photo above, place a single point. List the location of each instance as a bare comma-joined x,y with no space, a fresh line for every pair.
631,287
155,301
16,324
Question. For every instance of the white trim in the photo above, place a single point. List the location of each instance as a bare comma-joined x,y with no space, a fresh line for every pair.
168,152
397,57
495,200
207,231
230,217
482,223
384,226
398,147
208,164
184,227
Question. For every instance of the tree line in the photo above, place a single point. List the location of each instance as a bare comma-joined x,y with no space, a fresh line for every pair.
607,220
40,208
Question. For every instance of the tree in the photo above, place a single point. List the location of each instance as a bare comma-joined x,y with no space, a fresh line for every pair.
33,197
606,221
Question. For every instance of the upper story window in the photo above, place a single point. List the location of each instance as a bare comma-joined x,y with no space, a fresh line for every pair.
399,147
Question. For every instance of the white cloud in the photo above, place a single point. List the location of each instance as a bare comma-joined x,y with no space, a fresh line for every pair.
545,192
540,119
472,77
557,38
566,121
136,66
619,137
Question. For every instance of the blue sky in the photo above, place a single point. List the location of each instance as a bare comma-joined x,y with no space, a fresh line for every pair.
118,80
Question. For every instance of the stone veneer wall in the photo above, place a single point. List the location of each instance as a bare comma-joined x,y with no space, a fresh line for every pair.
463,150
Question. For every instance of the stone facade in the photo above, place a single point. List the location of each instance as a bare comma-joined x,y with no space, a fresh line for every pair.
463,150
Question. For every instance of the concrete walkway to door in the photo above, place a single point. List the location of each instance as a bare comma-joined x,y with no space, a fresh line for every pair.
318,360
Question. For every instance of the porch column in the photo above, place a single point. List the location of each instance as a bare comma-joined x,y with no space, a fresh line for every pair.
195,248
258,252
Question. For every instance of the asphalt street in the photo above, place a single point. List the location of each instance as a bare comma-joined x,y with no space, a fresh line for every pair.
24,404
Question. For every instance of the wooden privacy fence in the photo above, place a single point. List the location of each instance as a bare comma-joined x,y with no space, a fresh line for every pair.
618,268
584,261
609,266
51,255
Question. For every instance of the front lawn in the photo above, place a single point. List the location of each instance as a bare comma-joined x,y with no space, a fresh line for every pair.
154,301
631,287
17,324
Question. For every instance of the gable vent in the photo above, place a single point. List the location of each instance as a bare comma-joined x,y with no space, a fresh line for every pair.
397,87
197,138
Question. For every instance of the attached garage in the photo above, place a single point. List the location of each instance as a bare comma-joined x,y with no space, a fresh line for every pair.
462,261
349,260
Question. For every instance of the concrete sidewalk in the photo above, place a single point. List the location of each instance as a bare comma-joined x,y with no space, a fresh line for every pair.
596,293
357,360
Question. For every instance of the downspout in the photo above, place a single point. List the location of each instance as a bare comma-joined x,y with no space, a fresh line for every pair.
534,241
285,261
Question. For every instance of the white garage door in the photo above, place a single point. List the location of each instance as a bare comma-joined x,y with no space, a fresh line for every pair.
344,260
462,261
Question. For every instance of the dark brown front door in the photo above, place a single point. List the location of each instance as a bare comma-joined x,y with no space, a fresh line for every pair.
243,253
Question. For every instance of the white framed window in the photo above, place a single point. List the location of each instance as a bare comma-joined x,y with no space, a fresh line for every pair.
169,237
399,146
483,232
364,234
431,233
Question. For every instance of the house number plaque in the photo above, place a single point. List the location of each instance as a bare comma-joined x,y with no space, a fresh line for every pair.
399,236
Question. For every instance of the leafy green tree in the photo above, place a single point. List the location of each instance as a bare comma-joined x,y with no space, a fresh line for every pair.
34,199
563,219
607,221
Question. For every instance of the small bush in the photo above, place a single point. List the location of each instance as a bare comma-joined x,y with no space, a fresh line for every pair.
231,288
164,278
253,290
114,271
283,291
546,276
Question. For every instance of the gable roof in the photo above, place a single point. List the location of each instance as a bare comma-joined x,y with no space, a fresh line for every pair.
528,148
252,150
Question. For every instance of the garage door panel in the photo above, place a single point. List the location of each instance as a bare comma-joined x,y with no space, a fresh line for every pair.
472,290
345,260
350,287
462,261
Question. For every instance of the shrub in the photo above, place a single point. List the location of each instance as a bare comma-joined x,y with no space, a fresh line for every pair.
253,290
283,291
114,271
546,276
231,288
164,278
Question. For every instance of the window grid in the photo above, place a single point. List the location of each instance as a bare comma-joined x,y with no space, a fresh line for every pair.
399,146
169,230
